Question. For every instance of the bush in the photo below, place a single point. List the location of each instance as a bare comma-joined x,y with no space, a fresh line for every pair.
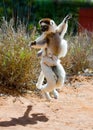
20,67
18,64
80,48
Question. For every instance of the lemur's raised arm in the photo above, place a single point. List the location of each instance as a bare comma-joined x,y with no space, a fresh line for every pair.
62,27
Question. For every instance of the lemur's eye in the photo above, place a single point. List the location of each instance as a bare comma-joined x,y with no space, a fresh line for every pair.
44,28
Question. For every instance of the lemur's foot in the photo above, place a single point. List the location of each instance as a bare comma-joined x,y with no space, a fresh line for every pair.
56,94
32,44
39,54
47,95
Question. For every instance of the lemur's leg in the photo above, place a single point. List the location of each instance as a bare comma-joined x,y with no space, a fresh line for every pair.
61,78
40,80
61,75
48,61
60,72
50,77
39,86
55,78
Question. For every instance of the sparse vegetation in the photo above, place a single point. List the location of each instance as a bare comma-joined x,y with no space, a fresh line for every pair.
80,48
18,64
20,67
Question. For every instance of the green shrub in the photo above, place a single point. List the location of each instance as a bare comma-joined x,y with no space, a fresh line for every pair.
19,65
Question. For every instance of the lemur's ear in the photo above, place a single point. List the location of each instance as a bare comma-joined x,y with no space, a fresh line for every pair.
40,21
51,22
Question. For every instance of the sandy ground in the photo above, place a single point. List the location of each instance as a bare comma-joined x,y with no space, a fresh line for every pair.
72,111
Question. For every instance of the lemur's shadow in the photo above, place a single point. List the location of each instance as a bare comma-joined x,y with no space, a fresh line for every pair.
25,119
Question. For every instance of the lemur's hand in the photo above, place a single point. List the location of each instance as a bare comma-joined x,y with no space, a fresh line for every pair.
69,16
32,44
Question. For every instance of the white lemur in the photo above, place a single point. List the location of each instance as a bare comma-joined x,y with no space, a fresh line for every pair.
53,47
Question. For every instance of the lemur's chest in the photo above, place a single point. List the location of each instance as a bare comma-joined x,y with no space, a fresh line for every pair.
54,43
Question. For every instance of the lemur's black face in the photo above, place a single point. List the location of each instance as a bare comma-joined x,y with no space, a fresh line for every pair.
44,24
44,28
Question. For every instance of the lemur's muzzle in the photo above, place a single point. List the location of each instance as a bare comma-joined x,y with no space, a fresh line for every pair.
44,28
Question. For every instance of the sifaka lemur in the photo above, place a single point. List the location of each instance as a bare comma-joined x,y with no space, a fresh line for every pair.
53,47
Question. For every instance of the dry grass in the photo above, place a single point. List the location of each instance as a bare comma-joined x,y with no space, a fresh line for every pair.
80,48
20,67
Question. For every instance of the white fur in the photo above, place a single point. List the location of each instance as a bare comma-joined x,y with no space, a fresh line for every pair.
51,78
63,27
47,62
64,48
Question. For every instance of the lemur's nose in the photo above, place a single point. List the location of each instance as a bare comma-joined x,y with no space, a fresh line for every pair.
44,28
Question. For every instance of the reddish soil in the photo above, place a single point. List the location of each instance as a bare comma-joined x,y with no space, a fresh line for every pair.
72,111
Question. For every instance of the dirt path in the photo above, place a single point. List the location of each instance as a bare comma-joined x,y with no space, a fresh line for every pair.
72,111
